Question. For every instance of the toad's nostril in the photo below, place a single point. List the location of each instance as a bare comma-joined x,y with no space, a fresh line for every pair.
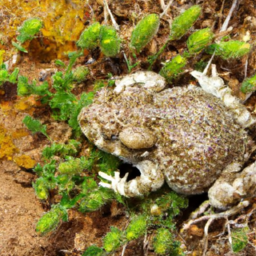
128,168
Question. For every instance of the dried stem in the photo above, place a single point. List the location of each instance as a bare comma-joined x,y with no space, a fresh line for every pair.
225,24
107,11
165,9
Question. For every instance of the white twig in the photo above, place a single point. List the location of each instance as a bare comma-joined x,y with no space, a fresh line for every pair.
210,218
206,228
163,5
123,251
225,24
225,214
116,26
208,64
245,68
166,7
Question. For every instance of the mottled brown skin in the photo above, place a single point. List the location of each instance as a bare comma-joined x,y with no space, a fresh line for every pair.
195,136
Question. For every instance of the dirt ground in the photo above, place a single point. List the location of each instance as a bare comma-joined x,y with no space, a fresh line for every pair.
20,209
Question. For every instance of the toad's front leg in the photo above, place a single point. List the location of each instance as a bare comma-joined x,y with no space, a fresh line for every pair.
150,180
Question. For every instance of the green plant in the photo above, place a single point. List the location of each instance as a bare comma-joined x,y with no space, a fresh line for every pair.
109,41
105,37
173,68
249,84
89,38
144,32
6,77
64,104
50,220
184,22
199,40
35,126
230,49
27,31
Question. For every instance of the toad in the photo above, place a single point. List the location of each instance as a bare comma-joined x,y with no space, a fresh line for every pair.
194,138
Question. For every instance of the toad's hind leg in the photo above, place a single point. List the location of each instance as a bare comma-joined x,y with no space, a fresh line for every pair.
150,180
231,187
215,86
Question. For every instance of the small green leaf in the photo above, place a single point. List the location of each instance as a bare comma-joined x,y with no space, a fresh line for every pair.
85,100
71,167
28,29
60,63
199,40
4,76
19,47
14,75
109,41
50,220
88,185
144,31
34,125
41,188
249,85
108,163
93,250
24,88
62,104
231,49
172,69
70,149
92,202
184,22
90,37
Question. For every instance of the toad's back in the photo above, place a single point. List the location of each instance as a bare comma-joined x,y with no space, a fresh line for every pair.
200,138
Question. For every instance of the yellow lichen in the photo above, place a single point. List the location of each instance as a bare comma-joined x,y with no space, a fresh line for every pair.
19,133
63,23
25,161
26,104
7,148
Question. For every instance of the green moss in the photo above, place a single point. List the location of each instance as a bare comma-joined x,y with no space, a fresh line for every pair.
136,228
113,239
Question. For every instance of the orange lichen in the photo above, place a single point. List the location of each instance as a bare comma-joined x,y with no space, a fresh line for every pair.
25,161
27,104
19,133
7,148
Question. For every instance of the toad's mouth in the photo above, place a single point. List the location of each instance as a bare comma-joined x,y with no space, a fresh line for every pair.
129,168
